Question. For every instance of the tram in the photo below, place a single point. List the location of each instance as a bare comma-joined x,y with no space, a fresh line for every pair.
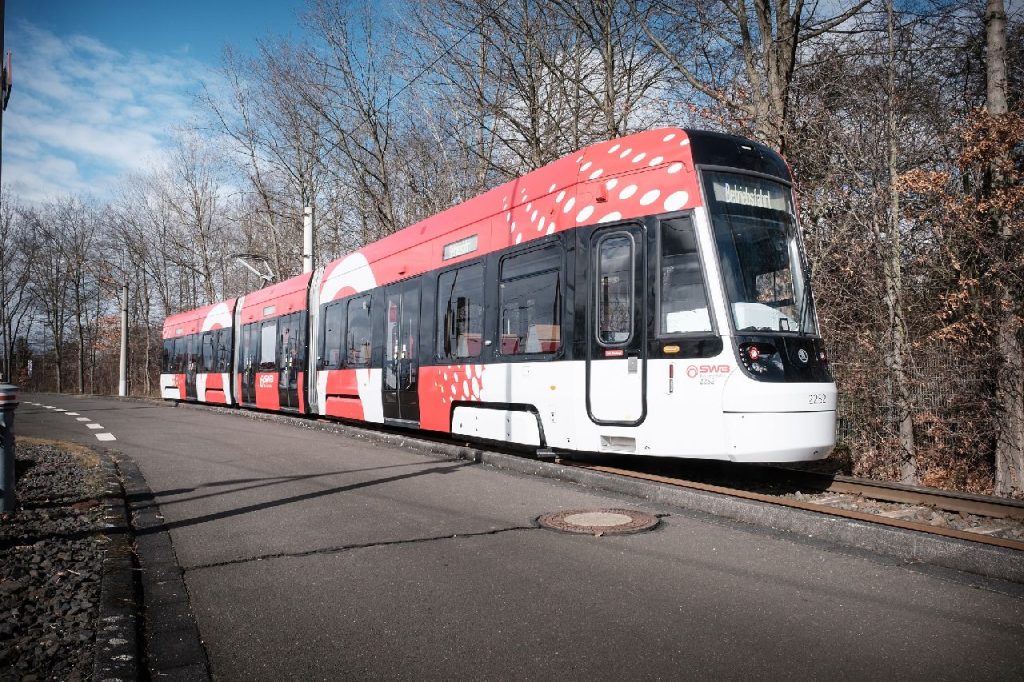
646,295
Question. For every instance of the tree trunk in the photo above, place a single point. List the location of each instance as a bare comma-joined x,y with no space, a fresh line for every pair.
1010,377
899,348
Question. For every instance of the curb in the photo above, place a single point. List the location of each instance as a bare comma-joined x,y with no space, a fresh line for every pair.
174,649
897,543
117,644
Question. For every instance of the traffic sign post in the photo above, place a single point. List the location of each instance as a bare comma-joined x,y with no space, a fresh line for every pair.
8,401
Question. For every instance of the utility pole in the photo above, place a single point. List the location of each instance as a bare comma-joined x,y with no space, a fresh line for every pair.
5,78
307,239
122,382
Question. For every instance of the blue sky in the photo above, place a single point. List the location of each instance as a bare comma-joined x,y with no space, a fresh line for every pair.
101,86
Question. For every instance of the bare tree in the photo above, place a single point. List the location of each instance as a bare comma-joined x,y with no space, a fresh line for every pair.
705,42
15,271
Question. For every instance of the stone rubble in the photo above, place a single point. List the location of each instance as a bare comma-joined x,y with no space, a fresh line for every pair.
51,552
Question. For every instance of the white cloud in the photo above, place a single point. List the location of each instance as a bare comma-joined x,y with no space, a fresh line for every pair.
82,113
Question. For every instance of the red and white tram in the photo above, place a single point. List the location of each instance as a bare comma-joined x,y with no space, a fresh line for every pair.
645,295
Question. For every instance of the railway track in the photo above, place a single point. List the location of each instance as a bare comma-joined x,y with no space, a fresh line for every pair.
784,481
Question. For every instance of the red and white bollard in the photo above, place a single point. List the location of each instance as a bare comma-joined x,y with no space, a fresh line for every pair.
8,401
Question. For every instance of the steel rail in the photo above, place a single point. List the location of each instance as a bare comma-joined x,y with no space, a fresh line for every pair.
805,506
939,499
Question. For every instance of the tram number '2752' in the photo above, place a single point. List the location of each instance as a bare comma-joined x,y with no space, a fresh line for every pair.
816,399
707,373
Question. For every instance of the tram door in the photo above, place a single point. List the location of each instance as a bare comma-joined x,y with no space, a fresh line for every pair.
290,355
401,346
192,366
616,367
250,353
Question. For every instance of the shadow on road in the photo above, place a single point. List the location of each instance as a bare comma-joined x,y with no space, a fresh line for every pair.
270,504
139,501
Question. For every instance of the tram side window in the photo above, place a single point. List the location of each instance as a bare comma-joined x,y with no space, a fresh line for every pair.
358,339
251,337
207,350
460,313
333,335
181,352
530,301
288,340
684,302
615,290
169,358
222,350
268,346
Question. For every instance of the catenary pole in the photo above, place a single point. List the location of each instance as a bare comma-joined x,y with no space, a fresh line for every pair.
122,382
307,239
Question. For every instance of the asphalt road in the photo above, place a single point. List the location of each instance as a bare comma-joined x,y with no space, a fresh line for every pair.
310,555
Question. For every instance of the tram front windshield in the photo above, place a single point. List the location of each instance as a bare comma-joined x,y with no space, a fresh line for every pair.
759,244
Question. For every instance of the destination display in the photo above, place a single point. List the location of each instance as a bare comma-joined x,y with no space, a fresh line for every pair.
735,189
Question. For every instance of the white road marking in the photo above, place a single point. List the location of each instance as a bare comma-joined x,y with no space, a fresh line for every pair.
83,419
105,436
94,425
59,409
71,414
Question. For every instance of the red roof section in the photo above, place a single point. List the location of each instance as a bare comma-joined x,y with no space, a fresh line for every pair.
213,316
642,174
282,298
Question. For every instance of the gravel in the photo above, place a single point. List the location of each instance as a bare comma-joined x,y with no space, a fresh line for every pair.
51,552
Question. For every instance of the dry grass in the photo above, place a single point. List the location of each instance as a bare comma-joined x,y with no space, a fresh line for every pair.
87,456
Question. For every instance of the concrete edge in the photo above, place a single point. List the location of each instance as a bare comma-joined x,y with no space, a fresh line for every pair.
905,545
173,646
117,647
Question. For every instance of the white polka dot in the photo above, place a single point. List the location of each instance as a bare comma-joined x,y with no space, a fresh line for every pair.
465,388
569,204
552,187
668,137
513,226
561,195
639,157
579,159
614,215
584,214
455,377
519,238
626,152
452,389
676,200
596,174
611,183
533,217
529,206
650,197
614,148
476,385
587,165
627,191
551,229
684,142
540,225
675,167
656,160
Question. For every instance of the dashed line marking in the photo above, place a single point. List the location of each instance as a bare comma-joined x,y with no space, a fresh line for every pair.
83,419
59,409
105,436
71,414
94,425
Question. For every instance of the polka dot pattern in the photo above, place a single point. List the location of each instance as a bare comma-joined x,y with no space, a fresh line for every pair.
613,180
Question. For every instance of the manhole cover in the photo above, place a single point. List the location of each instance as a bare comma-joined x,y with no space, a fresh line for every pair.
599,521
